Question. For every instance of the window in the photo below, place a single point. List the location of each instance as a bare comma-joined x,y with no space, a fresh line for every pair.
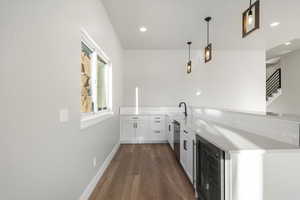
96,81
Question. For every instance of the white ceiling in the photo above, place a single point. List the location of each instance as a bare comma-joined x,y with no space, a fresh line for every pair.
171,23
283,49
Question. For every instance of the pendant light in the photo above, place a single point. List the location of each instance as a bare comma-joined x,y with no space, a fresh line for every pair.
250,15
208,48
251,18
189,64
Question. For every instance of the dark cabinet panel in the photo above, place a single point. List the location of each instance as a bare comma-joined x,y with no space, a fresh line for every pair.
210,168
214,190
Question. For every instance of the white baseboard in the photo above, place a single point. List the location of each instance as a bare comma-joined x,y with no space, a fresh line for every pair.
91,186
143,141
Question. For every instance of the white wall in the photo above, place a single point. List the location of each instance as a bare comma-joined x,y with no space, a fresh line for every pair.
233,80
40,157
288,102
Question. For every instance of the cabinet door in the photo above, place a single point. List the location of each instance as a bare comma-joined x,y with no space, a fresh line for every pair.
170,135
183,150
214,190
204,172
142,132
190,159
128,131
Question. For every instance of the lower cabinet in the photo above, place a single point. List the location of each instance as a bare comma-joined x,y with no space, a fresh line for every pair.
187,154
128,128
183,149
170,134
210,171
142,129
190,159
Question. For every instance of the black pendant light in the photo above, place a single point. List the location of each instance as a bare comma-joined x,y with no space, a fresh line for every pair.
189,64
208,48
251,18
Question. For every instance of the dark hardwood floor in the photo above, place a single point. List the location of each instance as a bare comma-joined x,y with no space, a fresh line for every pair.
144,172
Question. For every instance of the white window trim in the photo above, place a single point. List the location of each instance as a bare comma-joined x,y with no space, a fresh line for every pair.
95,118
90,119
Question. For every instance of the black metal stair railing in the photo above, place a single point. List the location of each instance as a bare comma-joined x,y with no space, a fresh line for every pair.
273,83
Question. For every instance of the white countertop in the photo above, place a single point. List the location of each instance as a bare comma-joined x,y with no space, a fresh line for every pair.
225,137
149,110
232,140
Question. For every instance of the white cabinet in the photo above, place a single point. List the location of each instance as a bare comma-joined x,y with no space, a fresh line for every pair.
170,134
143,129
183,149
190,157
134,129
128,130
187,153
157,126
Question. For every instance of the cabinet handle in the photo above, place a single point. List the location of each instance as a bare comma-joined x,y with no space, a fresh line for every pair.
184,145
135,118
185,132
157,118
217,156
207,186
156,131
157,121
135,125
169,127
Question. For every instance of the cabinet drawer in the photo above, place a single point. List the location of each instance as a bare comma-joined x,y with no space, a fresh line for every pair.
135,118
157,117
157,124
158,135
157,132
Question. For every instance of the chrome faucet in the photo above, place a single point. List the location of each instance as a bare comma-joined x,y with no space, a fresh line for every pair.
185,112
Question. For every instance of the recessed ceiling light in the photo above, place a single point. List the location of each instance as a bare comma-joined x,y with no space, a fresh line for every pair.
274,24
288,43
143,29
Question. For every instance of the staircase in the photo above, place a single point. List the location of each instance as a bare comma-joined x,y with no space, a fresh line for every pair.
273,86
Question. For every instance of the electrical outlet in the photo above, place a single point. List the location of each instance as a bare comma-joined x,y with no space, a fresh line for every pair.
94,162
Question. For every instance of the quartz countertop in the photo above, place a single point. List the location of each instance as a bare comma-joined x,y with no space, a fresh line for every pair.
232,140
225,137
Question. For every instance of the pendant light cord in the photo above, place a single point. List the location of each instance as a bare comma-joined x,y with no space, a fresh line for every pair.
207,33
189,52
207,19
250,3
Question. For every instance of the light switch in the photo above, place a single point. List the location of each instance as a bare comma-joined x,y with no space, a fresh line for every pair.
64,115
94,162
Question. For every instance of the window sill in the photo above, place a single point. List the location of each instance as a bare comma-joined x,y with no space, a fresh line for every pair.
93,119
